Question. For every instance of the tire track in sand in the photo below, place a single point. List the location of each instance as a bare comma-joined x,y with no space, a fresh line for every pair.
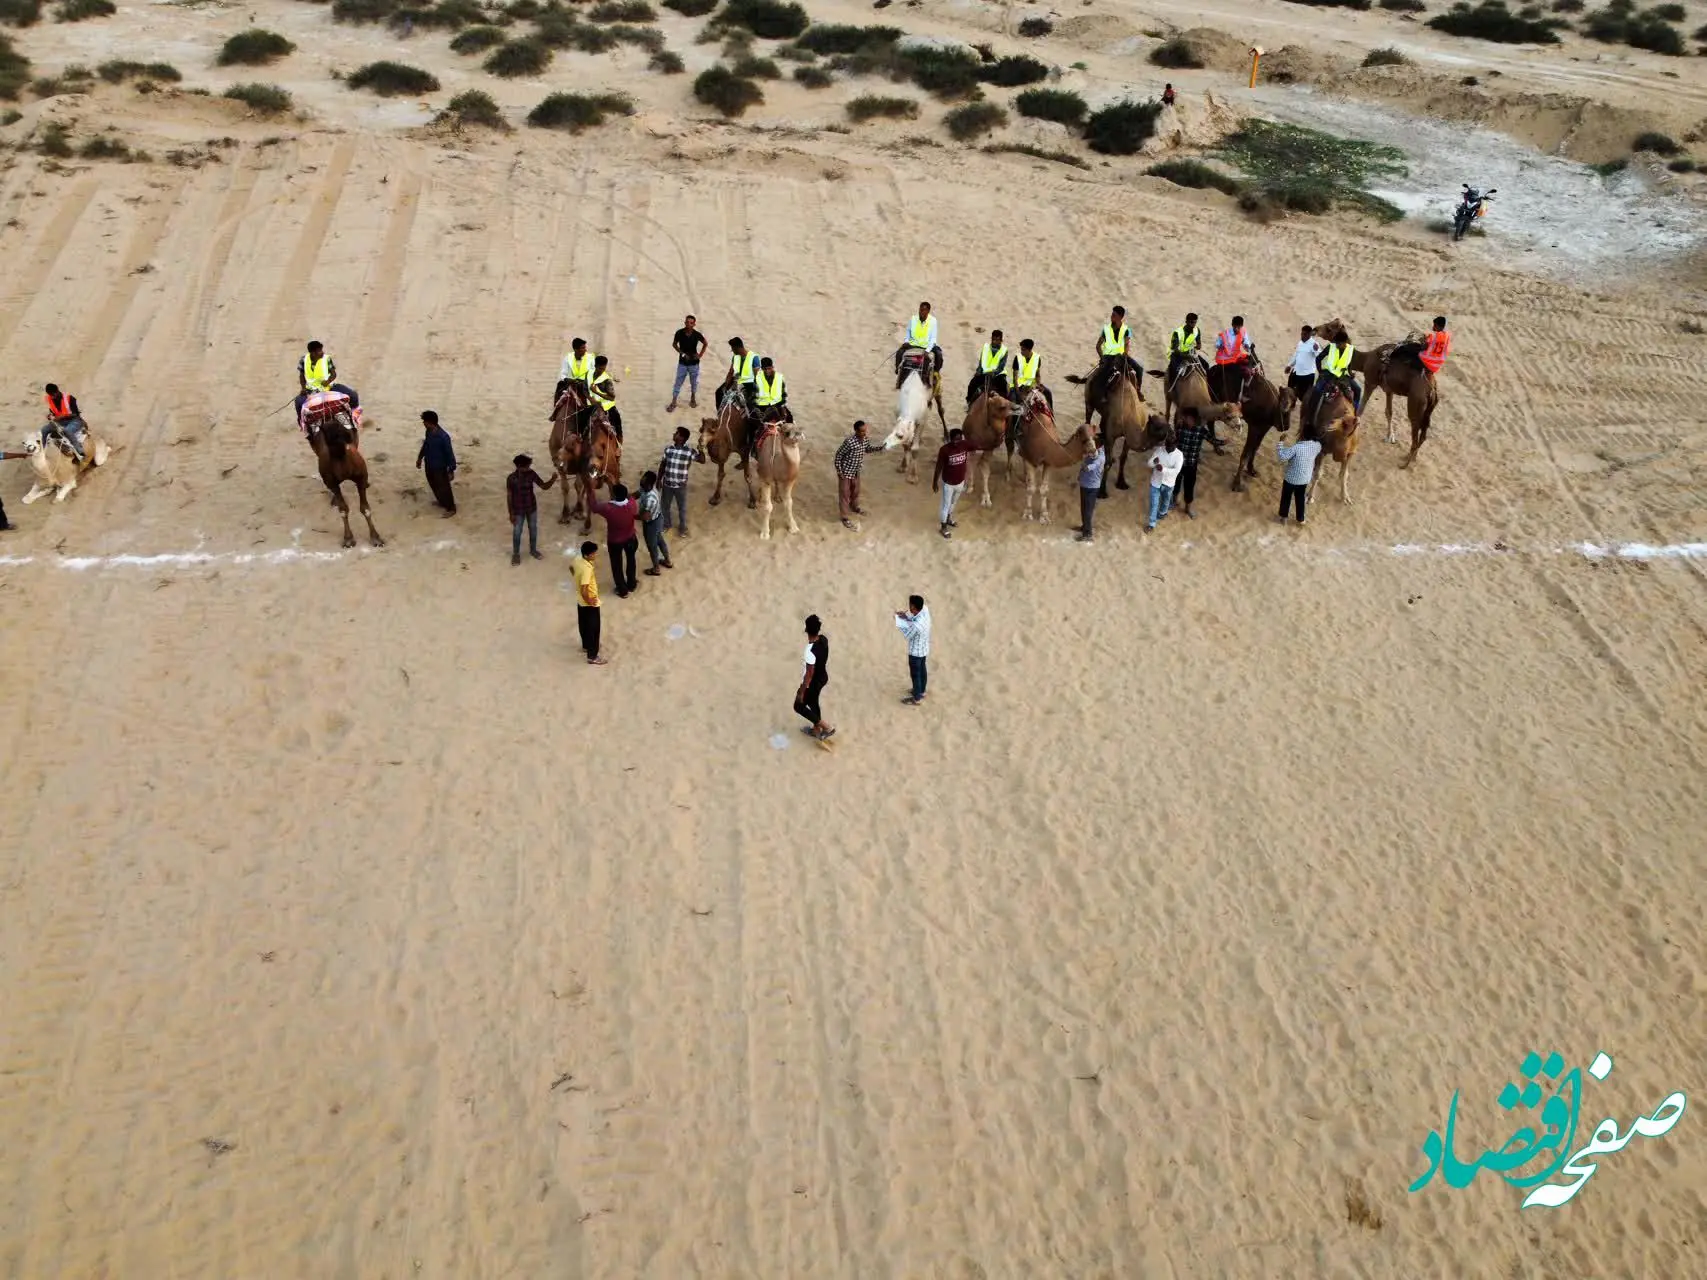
286,310
27,284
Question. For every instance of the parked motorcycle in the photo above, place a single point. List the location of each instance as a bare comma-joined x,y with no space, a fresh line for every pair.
1472,206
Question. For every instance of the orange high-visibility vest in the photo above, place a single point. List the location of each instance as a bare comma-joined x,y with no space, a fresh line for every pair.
1435,347
1231,348
58,406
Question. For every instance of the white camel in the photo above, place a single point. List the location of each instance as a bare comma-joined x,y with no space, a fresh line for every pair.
56,471
912,403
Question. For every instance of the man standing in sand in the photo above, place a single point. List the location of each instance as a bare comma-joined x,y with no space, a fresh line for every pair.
523,505
1090,480
850,462
690,344
950,476
814,675
673,476
914,622
587,602
438,459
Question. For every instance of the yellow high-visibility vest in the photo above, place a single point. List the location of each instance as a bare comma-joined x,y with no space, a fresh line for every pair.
919,333
1114,344
1025,370
992,361
317,373
1185,343
603,391
1338,360
741,367
767,391
581,370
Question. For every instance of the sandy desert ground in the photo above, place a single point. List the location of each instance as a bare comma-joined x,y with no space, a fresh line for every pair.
350,926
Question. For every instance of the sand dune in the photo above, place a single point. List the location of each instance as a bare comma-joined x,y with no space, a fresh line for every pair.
351,927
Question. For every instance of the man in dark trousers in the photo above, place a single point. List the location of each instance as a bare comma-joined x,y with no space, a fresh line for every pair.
689,343
587,602
6,524
438,460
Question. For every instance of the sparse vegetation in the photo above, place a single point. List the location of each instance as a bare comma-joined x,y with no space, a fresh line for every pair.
1609,168
14,71
1408,6
576,111
118,71
813,78
947,73
1063,106
1701,34
1196,174
254,48
1310,172
1658,143
1567,6
1036,153
1683,164
756,68
1387,57
727,93
78,10
973,120
622,11
836,37
55,141
1621,23
263,99
528,56
1335,4
20,13
1123,128
447,15
1668,12
767,19
666,63
1491,20
1175,54
10,117
1035,28
690,8
474,108
477,40
394,80
107,148
871,107
359,11
1010,73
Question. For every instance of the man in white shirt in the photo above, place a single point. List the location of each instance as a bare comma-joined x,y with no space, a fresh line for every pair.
1166,462
920,331
1301,373
914,622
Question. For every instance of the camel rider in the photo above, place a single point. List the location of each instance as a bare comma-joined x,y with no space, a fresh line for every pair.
1182,346
1114,347
577,367
1335,369
920,333
1028,366
317,371
1235,358
740,377
64,419
770,401
1430,353
602,388
992,375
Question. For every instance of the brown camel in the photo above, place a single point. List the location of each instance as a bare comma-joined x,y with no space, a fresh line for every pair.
1336,428
1403,378
1265,408
1128,422
776,458
570,446
1191,391
1043,450
986,429
334,445
725,437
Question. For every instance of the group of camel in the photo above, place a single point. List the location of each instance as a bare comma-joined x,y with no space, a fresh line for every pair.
586,452
1217,394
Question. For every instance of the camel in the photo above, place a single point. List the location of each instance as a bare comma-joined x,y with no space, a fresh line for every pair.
584,450
921,387
1125,419
986,429
1411,381
776,457
57,471
1265,408
725,437
333,441
1336,427
1190,390
1042,449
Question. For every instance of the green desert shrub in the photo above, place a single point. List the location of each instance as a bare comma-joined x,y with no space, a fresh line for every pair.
1623,24
1411,6
362,11
393,80
767,19
1305,170
1063,106
263,99
1035,28
577,111
667,63
690,8
1658,143
254,48
1123,128
1491,20
477,40
872,107
474,107
756,68
973,120
20,13
1388,57
838,37
78,10
725,92
947,73
528,56
813,78
1176,54
118,71
1683,164
1011,73
14,71
622,11
55,141
1195,174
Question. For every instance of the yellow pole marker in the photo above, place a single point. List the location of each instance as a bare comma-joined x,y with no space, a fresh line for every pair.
1256,57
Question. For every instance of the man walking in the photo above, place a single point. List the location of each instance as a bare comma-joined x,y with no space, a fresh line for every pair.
652,524
523,505
690,345
914,622
814,675
620,514
438,460
673,476
850,461
1189,434
950,476
1090,480
587,602
1166,462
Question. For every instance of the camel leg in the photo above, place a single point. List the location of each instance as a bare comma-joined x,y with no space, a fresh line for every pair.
717,493
913,462
344,510
584,503
1030,489
567,484
765,515
65,490
1315,474
361,499
752,498
984,471
1043,495
37,490
788,506
1120,479
1345,472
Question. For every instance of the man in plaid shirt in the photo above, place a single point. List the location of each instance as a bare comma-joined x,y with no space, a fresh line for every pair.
673,476
850,461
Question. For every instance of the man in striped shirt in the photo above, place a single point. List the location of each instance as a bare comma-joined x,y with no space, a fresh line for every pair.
673,477
914,622
850,461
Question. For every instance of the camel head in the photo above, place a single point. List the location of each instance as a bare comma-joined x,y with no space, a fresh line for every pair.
1327,331
604,455
336,435
32,443
905,432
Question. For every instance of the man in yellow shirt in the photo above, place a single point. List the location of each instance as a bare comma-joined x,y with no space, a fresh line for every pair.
587,601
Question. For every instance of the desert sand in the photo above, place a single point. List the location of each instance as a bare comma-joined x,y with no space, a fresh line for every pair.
351,926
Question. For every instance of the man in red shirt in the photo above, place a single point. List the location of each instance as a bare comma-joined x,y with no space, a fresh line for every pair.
952,461
620,513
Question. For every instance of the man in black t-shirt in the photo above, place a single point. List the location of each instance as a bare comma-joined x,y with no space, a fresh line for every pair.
689,343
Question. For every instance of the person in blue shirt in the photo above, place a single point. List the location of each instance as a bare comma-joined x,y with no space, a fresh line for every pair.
438,460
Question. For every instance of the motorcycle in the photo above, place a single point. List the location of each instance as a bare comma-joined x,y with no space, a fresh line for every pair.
1470,207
